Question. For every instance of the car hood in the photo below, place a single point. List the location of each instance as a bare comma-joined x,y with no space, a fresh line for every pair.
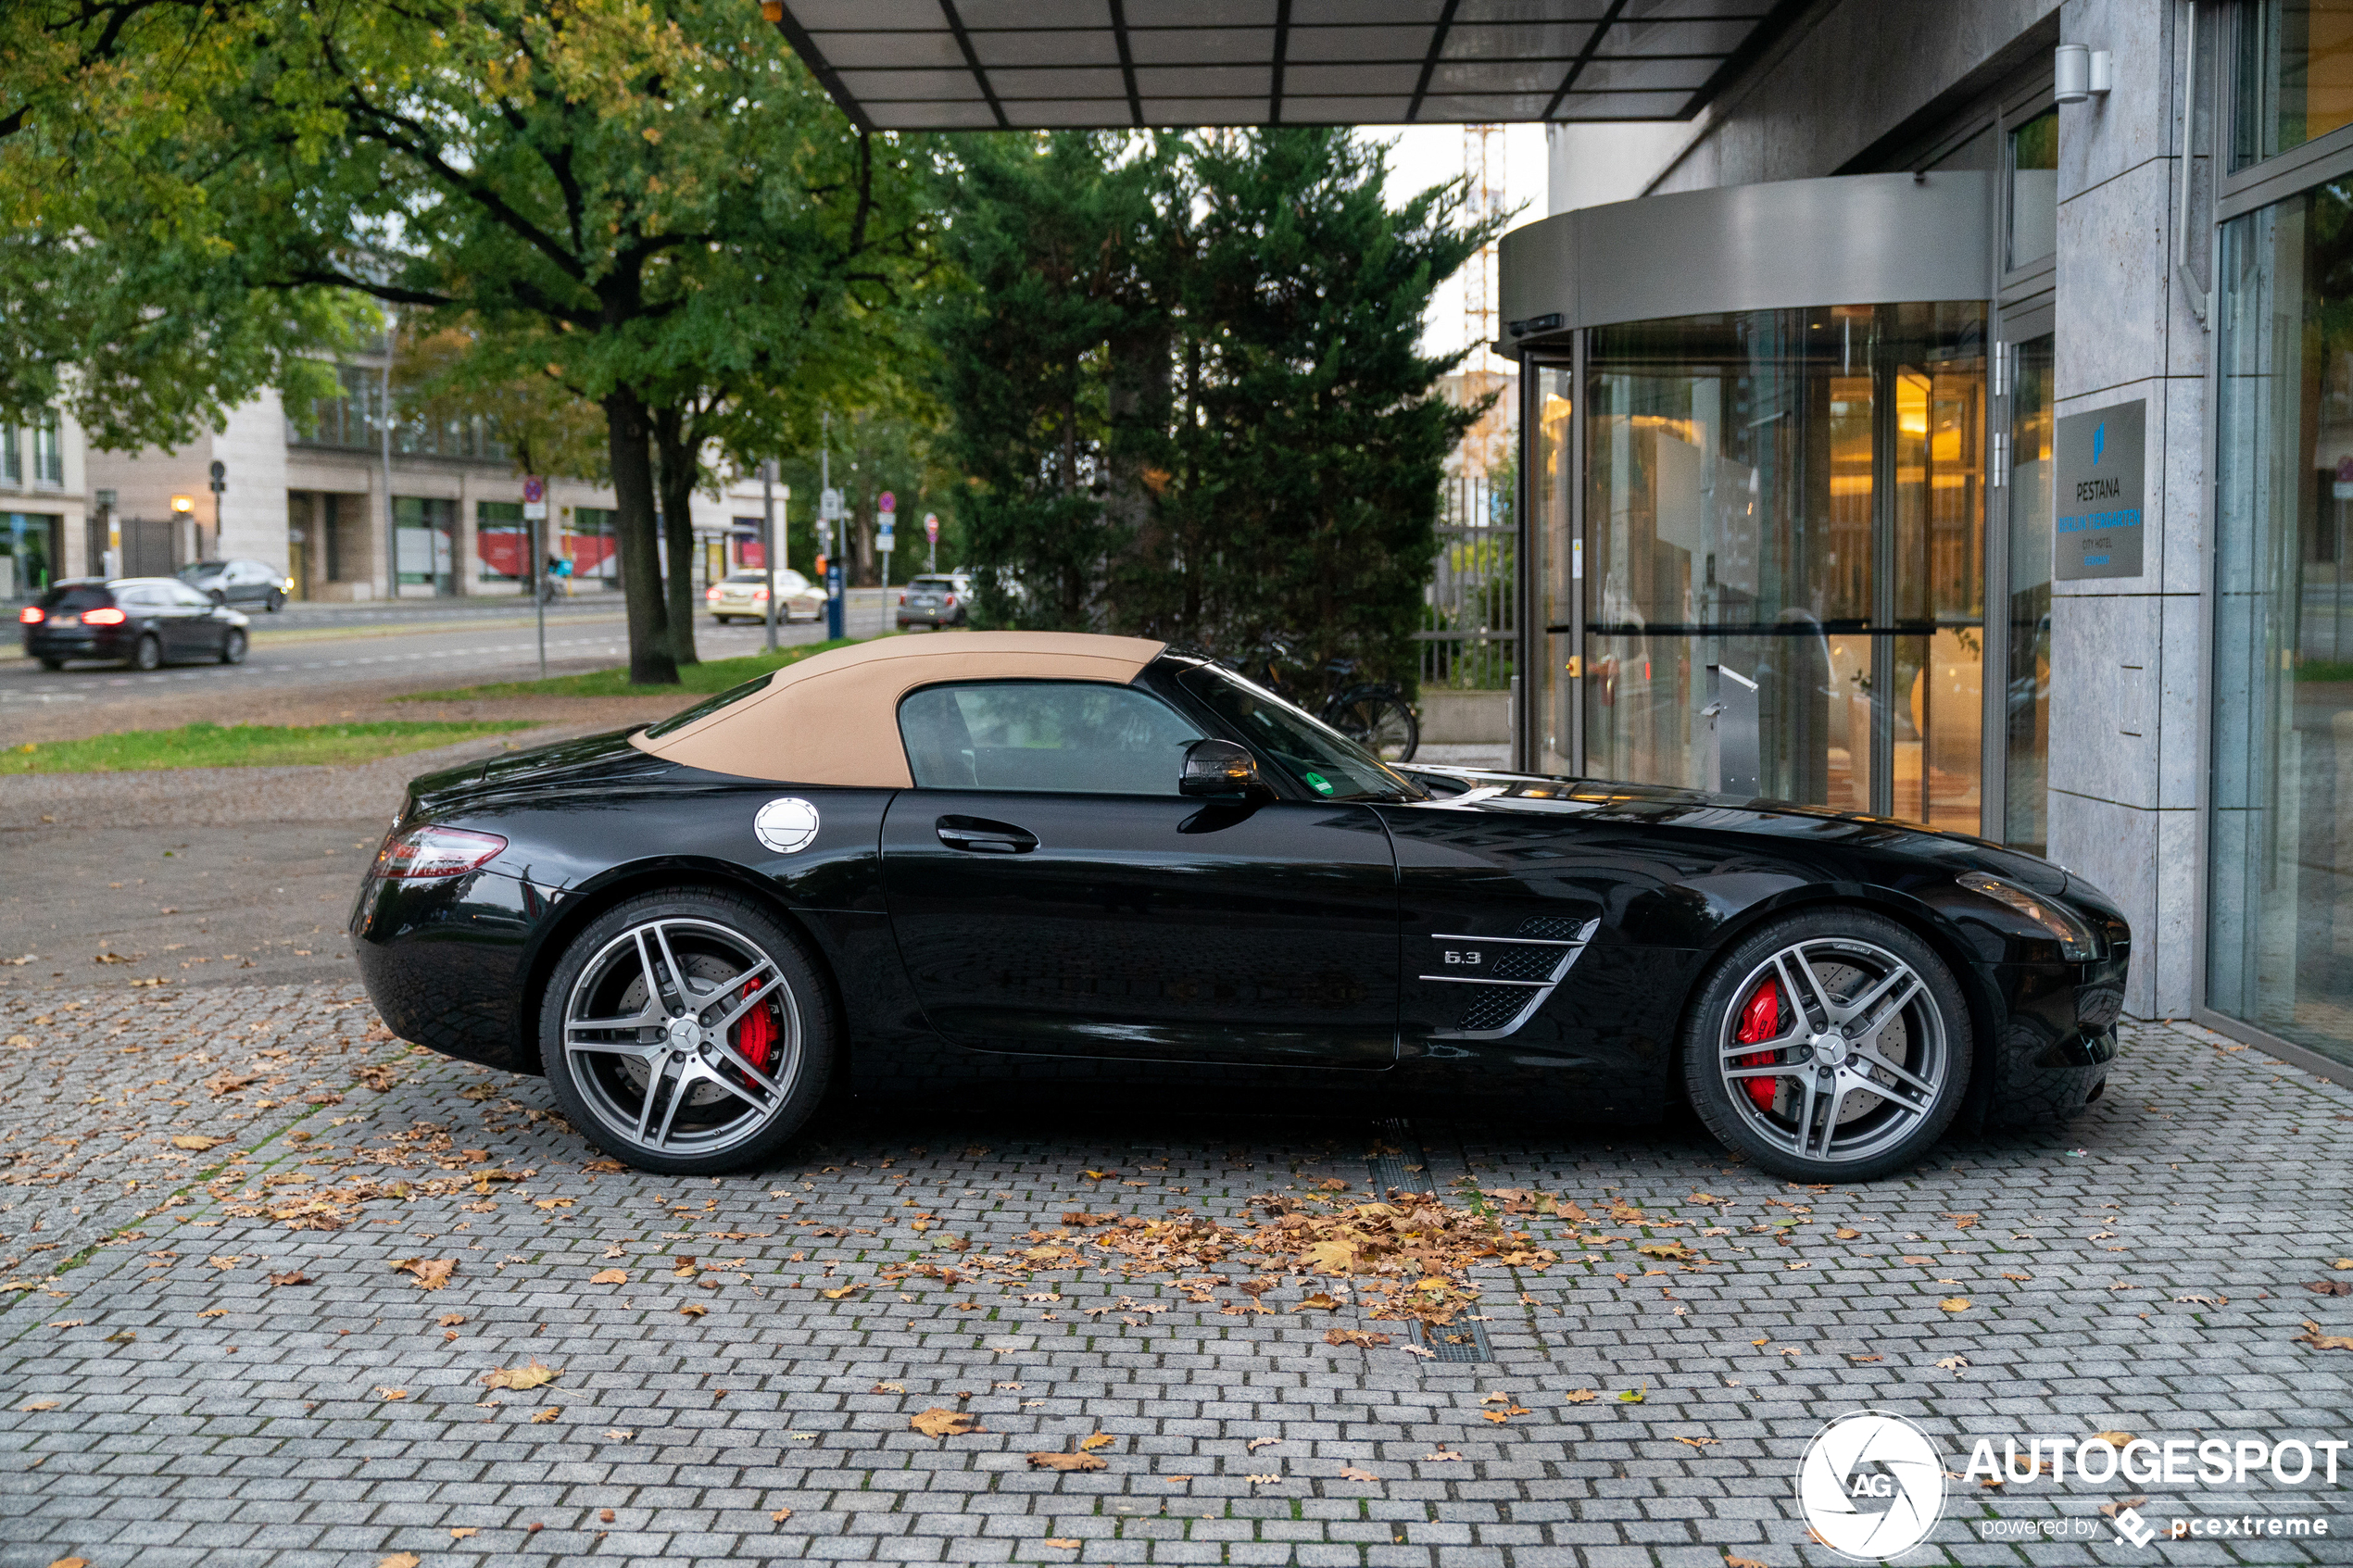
1662,806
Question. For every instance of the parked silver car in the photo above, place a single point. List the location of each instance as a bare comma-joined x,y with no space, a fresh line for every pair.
744,596
936,600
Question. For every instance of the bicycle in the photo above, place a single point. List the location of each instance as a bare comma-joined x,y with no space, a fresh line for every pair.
1372,714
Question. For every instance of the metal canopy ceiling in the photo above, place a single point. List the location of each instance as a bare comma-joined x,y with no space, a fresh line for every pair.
926,65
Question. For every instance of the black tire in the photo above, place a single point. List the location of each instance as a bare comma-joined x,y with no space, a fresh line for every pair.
731,1121
276,601
232,647
147,653
1896,1071
52,665
1380,722
217,596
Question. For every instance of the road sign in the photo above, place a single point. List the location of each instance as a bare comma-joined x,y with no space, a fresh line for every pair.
535,498
931,527
884,539
220,476
829,505
886,503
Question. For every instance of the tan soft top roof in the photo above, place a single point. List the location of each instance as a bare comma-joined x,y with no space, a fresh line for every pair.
833,719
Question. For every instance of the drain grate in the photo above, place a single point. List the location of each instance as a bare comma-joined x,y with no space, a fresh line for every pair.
1409,1168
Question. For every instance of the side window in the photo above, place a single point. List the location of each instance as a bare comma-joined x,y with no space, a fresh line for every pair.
1076,737
182,594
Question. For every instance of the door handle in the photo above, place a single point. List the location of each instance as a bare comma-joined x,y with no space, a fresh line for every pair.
979,835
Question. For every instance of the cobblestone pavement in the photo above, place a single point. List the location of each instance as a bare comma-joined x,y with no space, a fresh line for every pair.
213,1353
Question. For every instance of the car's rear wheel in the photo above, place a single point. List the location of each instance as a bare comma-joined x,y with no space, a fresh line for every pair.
232,647
1830,1046
53,664
687,1033
147,653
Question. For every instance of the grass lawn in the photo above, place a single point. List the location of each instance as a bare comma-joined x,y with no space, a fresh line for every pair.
240,745
695,680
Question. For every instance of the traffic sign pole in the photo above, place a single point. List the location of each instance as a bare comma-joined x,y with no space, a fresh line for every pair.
534,512
768,543
885,519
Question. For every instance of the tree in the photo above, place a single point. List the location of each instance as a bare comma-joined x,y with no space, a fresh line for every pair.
1188,390
645,200
1059,241
115,300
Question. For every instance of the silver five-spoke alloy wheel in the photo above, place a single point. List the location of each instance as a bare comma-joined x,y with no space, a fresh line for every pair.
1851,1059
1833,1044
686,1037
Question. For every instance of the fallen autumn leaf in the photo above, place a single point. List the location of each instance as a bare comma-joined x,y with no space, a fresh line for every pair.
1066,1462
939,1423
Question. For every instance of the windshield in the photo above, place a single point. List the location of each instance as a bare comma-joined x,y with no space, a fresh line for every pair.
202,568
1320,757
67,600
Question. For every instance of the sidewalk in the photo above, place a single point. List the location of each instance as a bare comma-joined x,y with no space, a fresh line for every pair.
247,1372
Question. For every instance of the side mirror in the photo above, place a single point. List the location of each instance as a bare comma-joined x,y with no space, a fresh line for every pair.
1220,768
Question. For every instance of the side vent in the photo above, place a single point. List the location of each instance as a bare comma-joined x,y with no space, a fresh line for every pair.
1506,978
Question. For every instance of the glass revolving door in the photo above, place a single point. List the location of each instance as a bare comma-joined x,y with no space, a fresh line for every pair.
1794,496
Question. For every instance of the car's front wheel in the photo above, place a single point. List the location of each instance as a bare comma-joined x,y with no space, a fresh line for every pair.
232,647
147,652
687,1033
1830,1046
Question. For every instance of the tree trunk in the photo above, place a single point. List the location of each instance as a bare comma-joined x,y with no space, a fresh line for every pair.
676,476
650,663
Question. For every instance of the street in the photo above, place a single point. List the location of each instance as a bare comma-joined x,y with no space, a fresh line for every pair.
315,651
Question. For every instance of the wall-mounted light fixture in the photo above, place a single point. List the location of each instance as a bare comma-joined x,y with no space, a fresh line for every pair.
184,505
2080,72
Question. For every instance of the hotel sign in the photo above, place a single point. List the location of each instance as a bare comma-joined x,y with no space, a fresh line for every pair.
2095,527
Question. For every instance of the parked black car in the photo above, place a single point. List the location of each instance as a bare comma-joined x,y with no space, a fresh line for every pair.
238,582
1051,857
142,621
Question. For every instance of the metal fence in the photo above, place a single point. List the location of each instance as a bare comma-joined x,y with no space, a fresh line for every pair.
1468,624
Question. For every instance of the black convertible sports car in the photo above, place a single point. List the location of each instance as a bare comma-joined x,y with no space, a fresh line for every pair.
1041,856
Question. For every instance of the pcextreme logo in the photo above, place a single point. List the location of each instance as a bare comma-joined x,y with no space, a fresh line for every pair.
1871,1484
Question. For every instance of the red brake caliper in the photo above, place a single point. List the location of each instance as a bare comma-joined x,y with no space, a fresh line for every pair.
755,1032
1761,1020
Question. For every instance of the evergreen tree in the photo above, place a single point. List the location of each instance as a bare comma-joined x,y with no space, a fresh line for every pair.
1188,392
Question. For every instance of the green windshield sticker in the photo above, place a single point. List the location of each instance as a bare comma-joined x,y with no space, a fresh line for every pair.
1323,785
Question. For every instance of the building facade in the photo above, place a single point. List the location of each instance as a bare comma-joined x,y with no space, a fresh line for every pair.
309,498
1954,421
44,511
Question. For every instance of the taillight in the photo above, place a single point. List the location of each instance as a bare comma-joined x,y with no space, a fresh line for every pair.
105,615
951,601
711,594
31,615
426,852
903,596
759,593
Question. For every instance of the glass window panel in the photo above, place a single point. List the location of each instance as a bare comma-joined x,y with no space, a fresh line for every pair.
2034,189
2027,704
2280,901
502,541
2295,75
1065,736
1548,483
